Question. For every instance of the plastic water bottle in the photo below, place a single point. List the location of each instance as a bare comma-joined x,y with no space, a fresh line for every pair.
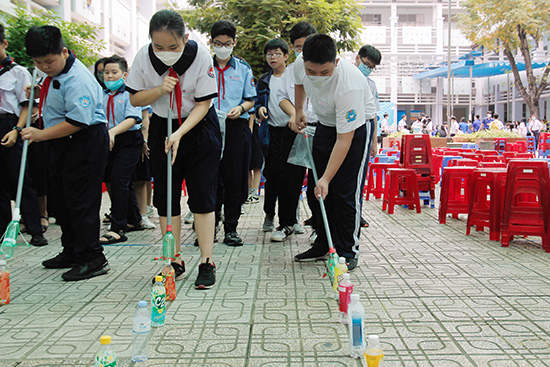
340,269
168,275
345,288
105,357
158,303
374,354
4,283
356,326
168,244
141,332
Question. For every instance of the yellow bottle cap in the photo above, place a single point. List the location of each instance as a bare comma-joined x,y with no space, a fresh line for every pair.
158,278
105,339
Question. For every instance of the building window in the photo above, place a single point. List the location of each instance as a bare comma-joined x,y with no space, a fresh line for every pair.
411,19
371,19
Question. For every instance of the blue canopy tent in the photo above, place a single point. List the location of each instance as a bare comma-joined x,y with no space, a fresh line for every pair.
467,68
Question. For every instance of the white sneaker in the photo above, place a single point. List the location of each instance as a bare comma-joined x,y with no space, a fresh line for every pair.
147,222
189,218
150,211
313,237
298,229
281,234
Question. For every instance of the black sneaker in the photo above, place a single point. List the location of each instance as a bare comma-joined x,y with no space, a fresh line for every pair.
308,222
352,263
39,240
311,255
86,270
232,239
207,275
179,270
61,261
364,223
282,233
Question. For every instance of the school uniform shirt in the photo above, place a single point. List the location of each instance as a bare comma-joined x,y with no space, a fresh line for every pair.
535,125
120,109
195,73
235,85
73,96
287,92
454,127
276,116
12,84
345,103
402,125
384,125
374,92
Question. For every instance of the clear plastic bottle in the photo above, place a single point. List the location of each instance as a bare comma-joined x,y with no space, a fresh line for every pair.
374,353
158,302
4,283
345,288
356,326
340,269
141,332
168,275
105,357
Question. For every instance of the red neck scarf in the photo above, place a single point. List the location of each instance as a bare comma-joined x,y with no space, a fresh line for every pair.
177,91
45,87
111,108
221,83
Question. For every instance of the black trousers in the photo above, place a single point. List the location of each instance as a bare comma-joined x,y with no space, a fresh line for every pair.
121,165
370,131
272,169
10,161
233,172
343,202
78,164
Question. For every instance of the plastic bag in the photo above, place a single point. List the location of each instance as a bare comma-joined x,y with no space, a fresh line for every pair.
221,118
299,152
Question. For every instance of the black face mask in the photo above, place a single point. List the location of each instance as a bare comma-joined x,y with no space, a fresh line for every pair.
99,78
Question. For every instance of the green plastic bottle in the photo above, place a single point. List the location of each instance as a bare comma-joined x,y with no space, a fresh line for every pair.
168,244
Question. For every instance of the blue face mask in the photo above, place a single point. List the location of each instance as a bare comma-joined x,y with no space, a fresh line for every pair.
297,54
365,69
114,84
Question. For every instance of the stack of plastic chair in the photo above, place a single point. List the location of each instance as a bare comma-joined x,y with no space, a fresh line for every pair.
455,192
544,145
526,209
465,162
492,165
445,162
377,173
493,158
472,155
470,146
520,146
395,144
438,161
526,155
510,147
500,145
401,189
488,152
531,144
416,153
509,155
486,200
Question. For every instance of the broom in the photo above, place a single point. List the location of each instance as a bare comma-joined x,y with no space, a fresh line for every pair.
9,239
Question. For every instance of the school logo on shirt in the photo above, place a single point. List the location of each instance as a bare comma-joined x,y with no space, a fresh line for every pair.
351,115
253,82
85,101
211,72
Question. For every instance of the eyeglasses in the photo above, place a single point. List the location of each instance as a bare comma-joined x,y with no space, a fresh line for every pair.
298,48
219,44
368,64
273,56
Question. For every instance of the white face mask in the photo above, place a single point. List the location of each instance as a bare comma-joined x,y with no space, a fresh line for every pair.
319,82
168,58
223,53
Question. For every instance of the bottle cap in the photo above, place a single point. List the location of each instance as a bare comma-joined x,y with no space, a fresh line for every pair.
158,278
342,260
373,340
142,304
346,276
2,262
354,297
105,339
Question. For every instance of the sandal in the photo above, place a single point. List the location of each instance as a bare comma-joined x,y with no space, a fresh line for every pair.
112,237
135,227
45,226
107,219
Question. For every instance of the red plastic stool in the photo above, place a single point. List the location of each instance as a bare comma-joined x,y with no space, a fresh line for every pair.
484,212
492,165
526,209
401,180
375,186
493,158
509,155
455,192
520,146
463,163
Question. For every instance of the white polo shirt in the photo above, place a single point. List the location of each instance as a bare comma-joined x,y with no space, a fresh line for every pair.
12,84
195,73
346,103
287,92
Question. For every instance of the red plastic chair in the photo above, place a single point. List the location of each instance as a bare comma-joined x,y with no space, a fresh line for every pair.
455,192
463,163
526,209
488,152
526,155
375,183
508,155
520,146
492,165
416,153
401,189
493,158
500,145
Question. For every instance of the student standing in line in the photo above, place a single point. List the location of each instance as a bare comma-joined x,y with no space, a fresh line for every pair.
267,108
343,102
125,145
174,66
236,94
75,127
13,117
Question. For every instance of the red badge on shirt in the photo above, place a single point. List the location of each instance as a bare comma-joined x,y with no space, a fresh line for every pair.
211,72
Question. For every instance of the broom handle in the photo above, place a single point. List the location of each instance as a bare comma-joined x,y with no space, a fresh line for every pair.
169,167
25,145
321,203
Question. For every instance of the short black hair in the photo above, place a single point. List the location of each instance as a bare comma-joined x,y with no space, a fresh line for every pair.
223,28
386,114
477,117
121,61
300,30
2,33
43,41
495,115
167,20
99,62
274,44
372,53
319,48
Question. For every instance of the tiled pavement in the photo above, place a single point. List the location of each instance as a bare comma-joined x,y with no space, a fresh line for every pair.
435,296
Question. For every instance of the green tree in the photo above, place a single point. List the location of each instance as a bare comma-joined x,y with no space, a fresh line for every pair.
258,21
515,27
81,38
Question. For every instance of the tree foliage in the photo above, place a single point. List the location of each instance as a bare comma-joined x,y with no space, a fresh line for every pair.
515,27
81,38
258,21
